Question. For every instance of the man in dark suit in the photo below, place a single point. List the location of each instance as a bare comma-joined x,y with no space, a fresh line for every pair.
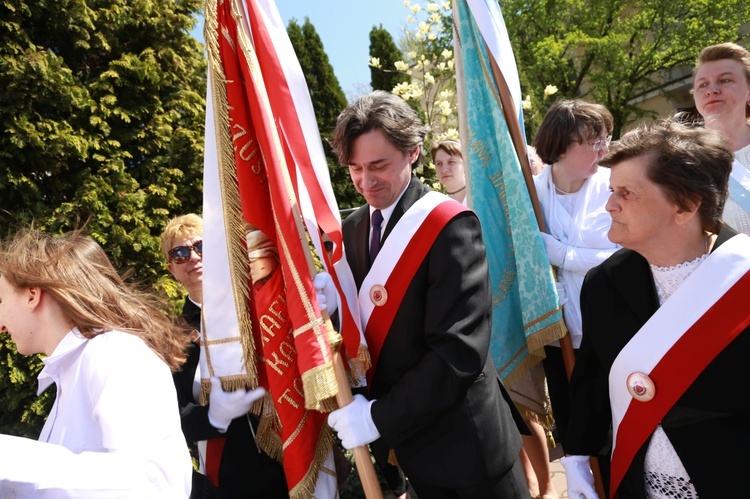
234,464
434,396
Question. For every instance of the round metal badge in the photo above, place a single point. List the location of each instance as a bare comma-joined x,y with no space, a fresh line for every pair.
378,295
641,387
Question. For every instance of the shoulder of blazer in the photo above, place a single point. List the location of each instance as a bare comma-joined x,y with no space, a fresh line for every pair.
356,228
628,277
629,274
725,234
625,262
357,215
413,193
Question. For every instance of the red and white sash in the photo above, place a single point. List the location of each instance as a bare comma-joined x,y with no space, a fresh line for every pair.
398,260
686,333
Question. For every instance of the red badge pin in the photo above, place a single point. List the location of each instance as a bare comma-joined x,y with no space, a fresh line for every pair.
378,295
641,387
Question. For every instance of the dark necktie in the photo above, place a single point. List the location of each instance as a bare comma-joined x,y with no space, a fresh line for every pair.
377,220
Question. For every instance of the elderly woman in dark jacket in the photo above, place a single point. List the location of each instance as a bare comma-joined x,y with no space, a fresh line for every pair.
665,320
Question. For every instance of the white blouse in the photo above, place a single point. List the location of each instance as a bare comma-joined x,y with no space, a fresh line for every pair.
114,429
581,223
665,475
734,215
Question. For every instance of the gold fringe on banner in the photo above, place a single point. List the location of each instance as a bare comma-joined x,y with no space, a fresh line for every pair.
321,380
235,225
267,436
535,346
306,486
553,332
269,441
232,383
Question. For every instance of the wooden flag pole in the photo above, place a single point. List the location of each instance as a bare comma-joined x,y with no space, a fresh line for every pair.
566,344
362,458
344,397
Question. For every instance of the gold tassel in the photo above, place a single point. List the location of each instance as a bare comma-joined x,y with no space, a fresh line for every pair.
205,391
359,366
547,420
319,385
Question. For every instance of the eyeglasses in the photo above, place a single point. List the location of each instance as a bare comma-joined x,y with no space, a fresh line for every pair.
181,254
600,144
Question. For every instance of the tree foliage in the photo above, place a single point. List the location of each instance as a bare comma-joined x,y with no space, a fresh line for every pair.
428,72
611,51
328,101
102,108
427,45
384,53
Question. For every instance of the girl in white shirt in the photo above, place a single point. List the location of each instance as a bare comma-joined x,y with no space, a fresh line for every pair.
114,429
573,190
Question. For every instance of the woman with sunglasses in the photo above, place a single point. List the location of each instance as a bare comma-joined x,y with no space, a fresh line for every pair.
573,190
114,429
232,465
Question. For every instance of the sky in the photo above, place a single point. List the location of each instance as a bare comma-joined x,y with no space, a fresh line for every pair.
344,28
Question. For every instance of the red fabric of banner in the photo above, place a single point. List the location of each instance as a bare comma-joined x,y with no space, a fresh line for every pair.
300,427
282,305
298,157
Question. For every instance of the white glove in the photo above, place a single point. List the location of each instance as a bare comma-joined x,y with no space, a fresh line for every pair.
556,250
580,479
561,293
325,290
353,423
223,406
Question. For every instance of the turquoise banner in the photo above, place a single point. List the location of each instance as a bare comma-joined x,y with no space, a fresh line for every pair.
526,314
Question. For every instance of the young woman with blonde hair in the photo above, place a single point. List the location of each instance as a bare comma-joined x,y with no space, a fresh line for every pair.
114,429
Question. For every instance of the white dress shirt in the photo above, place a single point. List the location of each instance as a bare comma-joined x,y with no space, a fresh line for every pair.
114,429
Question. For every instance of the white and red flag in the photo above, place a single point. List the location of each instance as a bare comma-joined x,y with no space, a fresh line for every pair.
264,168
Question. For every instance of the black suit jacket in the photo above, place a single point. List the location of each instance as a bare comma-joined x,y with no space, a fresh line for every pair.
439,403
244,471
709,426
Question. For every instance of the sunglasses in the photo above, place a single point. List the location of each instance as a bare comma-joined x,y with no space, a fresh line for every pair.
181,254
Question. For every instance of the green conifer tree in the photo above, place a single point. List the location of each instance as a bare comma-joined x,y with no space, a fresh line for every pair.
101,124
328,101
382,47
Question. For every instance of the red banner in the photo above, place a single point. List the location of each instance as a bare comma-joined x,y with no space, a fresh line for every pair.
298,158
289,343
